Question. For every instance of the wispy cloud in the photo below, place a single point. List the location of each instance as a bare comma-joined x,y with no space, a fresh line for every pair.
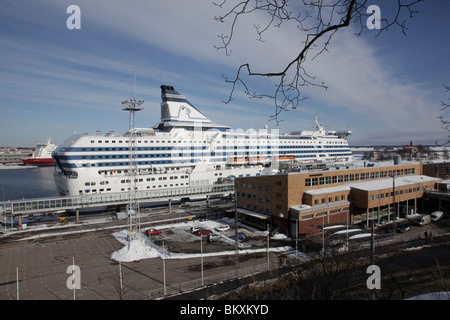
45,67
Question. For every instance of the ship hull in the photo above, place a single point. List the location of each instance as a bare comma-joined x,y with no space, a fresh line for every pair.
40,162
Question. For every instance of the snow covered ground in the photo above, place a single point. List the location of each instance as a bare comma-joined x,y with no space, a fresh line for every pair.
144,248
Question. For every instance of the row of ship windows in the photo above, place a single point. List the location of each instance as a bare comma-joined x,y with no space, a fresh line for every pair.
95,191
239,141
74,149
200,154
101,164
140,180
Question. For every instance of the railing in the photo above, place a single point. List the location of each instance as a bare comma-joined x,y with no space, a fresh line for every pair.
197,284
18,207
189,286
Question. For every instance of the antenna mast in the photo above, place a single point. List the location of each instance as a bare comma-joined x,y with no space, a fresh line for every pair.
132,106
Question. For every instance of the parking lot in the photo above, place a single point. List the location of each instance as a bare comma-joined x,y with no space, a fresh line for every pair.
182,238
39,268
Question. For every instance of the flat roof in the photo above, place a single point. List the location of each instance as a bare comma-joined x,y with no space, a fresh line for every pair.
388,182
301,208
316,192
356,165
373,185
253,213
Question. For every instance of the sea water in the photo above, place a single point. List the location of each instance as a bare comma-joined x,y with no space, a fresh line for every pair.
27,183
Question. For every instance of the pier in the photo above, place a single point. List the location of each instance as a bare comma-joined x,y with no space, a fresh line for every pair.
49,205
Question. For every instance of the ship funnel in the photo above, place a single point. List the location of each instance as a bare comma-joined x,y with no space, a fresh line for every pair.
175,107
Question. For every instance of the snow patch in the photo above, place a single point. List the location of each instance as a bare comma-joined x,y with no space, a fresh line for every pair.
134,251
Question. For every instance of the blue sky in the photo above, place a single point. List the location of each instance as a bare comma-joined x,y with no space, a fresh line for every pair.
55,81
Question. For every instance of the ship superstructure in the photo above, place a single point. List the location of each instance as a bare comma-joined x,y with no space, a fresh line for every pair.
42,155
187,149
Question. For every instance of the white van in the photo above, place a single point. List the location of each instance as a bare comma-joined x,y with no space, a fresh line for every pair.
435,216
423,220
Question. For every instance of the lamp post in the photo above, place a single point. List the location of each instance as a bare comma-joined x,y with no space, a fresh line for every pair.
201,256
164,269
4,207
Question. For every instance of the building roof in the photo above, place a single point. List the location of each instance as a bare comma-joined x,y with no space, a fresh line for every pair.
328,190
388,183
253,213
301,208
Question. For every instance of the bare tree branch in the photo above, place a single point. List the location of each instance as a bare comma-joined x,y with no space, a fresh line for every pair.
318,19
445,123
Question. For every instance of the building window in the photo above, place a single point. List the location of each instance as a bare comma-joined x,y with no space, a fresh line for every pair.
321,214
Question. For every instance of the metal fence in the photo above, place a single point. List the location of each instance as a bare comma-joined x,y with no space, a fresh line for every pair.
197,284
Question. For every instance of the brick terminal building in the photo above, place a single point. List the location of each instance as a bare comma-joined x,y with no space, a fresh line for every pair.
299,203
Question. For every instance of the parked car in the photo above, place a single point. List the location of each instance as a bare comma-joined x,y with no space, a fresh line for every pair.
195,229
202,232
241,236
435,216
403,227
223,227
423,220
152,232
213,237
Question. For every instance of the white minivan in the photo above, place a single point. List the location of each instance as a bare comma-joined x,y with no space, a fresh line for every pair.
435,216
423,220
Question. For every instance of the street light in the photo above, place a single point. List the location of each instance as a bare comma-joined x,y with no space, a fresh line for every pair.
201,256
4,207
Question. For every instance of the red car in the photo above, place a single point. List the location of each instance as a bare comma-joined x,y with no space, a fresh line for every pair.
152,232
203,232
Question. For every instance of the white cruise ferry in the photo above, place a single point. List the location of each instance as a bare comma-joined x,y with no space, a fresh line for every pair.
187,149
